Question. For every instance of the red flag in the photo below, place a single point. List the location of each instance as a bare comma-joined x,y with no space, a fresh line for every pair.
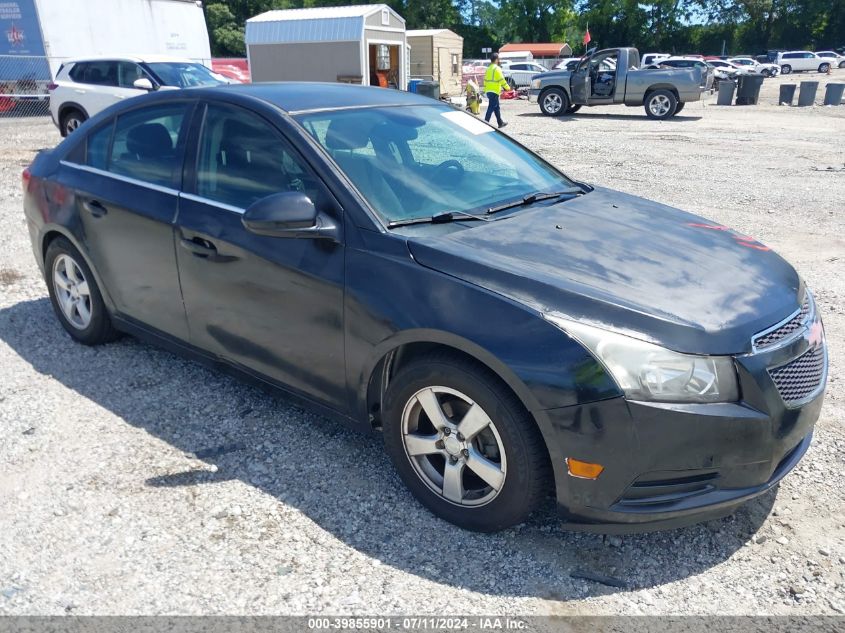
587,38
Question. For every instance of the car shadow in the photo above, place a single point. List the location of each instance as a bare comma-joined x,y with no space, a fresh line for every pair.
582,114
268,443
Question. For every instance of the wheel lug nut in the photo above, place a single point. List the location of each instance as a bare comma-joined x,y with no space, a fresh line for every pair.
439,444
453,459
465,453
460,436
447,431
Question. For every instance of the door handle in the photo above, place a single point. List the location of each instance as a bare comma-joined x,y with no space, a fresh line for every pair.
95,208
199,248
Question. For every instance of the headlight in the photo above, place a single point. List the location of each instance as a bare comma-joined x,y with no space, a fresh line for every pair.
645,371
535,83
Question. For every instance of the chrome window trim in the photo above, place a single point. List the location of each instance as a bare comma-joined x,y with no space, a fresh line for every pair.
220,205
121,177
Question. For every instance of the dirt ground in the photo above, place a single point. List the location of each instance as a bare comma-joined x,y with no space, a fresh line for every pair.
105,508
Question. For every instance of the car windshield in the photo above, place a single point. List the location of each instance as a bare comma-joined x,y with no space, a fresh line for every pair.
184,74
418,161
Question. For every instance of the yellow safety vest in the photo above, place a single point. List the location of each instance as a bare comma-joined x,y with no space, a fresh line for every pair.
494,80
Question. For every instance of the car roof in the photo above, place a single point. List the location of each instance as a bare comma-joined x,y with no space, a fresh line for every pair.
131,58
305,96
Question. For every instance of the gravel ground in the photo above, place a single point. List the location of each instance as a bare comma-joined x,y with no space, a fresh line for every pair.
134,482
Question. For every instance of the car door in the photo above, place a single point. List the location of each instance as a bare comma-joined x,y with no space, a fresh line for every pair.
580,83
271,305
126,199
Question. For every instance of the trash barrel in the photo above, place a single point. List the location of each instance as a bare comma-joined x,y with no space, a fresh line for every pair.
787,94
412,84
429,89
748,89
807,93
726,92
833,94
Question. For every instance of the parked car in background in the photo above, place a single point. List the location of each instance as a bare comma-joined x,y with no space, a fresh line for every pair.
687,62
650,58
520,74
567,63
726,70
766,69
836,60
613,76
83,87
396,264
802,61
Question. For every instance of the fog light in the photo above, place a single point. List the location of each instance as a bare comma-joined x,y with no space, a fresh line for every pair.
583,470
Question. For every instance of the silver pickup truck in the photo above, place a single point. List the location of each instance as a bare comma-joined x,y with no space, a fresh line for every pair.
613,76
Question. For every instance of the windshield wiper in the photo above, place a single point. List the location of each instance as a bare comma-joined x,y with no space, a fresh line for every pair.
438,218
531,198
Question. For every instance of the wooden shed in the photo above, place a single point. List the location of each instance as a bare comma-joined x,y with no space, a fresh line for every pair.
361,44
437,55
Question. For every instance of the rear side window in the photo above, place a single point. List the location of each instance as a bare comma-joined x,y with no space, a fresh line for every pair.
97,154
145,142
99,73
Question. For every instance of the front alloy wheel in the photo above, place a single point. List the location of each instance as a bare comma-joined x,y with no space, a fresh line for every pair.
554,102
454,446
463,443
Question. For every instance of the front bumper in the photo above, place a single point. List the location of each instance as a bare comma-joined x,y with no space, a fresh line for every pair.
671,465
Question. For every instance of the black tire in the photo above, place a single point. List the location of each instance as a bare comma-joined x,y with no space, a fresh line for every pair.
766,72
527,477
71,119
842,64
573,109
679,107
660,104
785,69
824,68
554,102
99,328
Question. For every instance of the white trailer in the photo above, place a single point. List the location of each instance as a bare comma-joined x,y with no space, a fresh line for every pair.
36,36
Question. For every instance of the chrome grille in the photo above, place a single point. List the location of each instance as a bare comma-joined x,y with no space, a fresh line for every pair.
800,378
777,334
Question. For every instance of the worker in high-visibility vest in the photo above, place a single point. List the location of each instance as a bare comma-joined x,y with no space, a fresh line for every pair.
494,83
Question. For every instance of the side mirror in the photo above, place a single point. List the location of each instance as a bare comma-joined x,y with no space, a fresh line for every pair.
289,214
143,84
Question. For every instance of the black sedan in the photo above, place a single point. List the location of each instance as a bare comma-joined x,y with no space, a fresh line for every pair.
404,267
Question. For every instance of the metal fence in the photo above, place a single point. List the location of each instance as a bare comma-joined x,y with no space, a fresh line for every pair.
24,82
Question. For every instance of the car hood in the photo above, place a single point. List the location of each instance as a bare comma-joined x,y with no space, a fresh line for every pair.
627,264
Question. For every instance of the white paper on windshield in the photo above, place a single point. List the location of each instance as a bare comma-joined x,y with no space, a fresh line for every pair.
468,122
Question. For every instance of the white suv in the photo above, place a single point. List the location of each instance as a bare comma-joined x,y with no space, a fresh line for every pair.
83,87
833,57
795,61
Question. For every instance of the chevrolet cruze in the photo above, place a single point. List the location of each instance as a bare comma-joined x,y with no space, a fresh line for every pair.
404,267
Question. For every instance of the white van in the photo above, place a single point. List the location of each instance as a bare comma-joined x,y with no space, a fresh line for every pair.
797,61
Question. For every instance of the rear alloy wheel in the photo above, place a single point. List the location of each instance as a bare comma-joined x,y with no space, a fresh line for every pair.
824,68
71,120
75,295
463,444
785,69
554,102
660,104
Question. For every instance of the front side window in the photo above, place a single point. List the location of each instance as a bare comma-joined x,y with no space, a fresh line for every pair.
184,74
417,161
129,73
242,159
145,142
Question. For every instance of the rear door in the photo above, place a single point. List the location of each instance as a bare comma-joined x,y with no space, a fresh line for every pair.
126,198
267,304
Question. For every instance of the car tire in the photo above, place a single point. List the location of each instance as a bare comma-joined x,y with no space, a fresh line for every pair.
71,119
766,72
554,102
75,295
842,64
679,107
440,466
824,68
660,104
573,109
785,69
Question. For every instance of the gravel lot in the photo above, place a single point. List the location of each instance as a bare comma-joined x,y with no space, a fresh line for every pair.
134,482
